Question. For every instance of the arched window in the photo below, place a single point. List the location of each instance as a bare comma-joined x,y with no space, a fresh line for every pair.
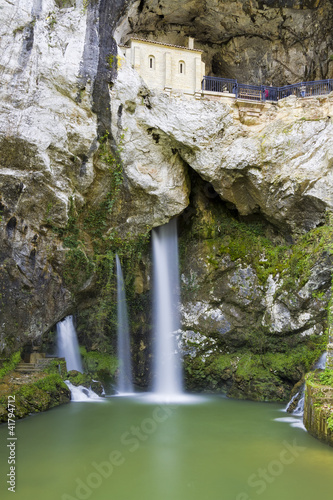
181,67
151,62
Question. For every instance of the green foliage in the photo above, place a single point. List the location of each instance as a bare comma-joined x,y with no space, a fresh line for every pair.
97,219
51,19
78,265
94,361
85,4
50,384
326,377
90,247
251,366
77,268
79,379
65,3
261,376
110,60
48,219
248,242
330,422
11,364
53,367
19,29
114,62
45,393
71,231
113,160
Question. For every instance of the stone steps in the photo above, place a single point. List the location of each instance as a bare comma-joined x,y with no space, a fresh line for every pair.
40,365
27,368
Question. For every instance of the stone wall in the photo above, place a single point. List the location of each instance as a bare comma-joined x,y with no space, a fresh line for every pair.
317,409
164,71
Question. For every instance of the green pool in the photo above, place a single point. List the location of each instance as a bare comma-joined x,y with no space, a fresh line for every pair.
212,448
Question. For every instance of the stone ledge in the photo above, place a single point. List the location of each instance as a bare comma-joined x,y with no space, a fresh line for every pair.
318,407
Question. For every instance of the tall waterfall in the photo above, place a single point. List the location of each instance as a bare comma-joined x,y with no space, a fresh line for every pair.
167,363
125,383
68,345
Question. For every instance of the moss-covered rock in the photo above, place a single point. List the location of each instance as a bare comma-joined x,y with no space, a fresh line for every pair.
100,371
33,394
318,407
254,301
244,375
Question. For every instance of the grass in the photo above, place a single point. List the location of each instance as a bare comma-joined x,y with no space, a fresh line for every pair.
11,364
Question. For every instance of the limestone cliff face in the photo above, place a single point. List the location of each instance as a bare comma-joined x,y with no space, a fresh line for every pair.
91,160
56,72
272,159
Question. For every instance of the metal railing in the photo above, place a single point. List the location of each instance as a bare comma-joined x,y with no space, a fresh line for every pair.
306,89
212,84
265,92
252,92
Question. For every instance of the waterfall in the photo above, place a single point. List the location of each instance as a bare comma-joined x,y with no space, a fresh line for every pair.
68,345
81,393
167,364
291,401
299,410
125,384
321,363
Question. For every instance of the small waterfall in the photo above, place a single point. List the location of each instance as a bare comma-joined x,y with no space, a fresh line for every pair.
167,364
300,397
68,345
321,363
296,418
125,383
81,393
299,410
291,401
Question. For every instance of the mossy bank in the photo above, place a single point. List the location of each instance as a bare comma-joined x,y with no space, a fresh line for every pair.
318,407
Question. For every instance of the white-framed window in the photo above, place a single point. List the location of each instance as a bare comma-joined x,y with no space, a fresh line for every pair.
181,67
151,62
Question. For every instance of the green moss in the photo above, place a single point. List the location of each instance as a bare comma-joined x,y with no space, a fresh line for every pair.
91,246
202,376
223,362
77,268
326,377
249,243
41,395
318,378
19,29
94,362
50,384
77,378
266,376
330,422
11,364
56,366
250,366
